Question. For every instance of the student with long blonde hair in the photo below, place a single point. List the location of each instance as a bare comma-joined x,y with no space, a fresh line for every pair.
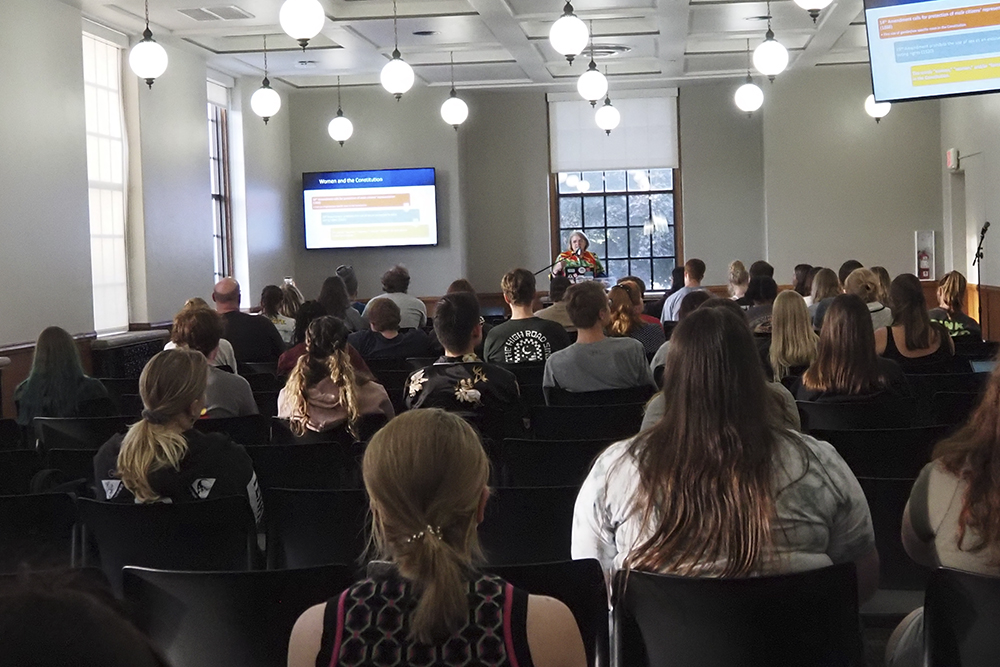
739,279
793,341
324,391
626,318
426,475
162,458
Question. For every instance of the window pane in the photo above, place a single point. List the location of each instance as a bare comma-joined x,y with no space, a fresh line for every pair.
661,273
640,269
638,210
89,65
638,180
663,209
616,268
639,244
663,242
661,179
597,242
618,242
593,211
614,181
570,216
596,180
617,211
568,182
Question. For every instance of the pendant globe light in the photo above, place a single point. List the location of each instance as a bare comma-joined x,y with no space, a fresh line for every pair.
877,110
302,19
749,97
147,58
592,85
607,117
340,128
814,7
397,75
265,101
770,57
454,111
568,35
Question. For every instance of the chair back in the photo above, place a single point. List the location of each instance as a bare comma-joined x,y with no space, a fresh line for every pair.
546,462
216,534
528,525
880,412
267,402
611,422
264,382
928,384
307,466
956,364
391,379
17,467
11,434
975,350
960,619
886,502
580,585
416,363
559,396
245,430
258,367
72,463
953,407
315,527
206,619
37,531
527,373
78,432
806,618
388,364
885,452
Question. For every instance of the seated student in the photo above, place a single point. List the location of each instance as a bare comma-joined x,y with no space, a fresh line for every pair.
689,304
225,358
720,487
884,282
655,308
323,391
254,338
846,269
595,362
694,272
57,385
762,292
309,311
793,341
640,286
801,279
271,298
950,312
808,286
383,339
912,341
825,287
761,269
333,295
523,338
350,278
626,320
846,364
864,284
395,282
557,311
459,381
456,286
226,394
162,458
427,478
953,516
739,280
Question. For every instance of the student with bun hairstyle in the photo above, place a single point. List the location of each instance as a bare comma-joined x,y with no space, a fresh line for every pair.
426,474
739,279
162,458
864,284
950,312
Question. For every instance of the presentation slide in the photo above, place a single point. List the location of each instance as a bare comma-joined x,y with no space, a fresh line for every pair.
932,49
369,209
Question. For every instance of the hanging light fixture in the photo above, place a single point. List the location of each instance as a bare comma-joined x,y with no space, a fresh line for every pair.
749,97
454,111
265,101
814,7
592,85
607,117
568,35
397,75
770,57
877,110
302,19
340,128
147,58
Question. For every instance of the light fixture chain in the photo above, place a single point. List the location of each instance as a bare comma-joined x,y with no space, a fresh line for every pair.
768,14
265,56
338,93
395,34
748,56
591,40
452,54
147,13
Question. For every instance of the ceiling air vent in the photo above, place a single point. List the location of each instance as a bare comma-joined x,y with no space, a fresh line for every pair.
224,13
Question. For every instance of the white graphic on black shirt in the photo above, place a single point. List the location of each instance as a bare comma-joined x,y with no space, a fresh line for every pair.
524,346
112,487
202,487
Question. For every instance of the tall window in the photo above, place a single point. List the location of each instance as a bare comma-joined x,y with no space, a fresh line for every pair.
628,217
106,174
218,154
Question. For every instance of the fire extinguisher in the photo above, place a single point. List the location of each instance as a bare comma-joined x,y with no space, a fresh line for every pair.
924,265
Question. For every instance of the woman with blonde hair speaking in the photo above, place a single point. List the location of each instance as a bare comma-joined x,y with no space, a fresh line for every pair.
426,474
162,458
793,341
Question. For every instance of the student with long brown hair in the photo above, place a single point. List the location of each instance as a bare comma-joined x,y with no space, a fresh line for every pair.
953,516
324,391
719,487
626,318
846,364
825,287
426,475
950,312
912,340
793,341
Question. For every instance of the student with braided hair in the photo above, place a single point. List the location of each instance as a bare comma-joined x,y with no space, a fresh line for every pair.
324,391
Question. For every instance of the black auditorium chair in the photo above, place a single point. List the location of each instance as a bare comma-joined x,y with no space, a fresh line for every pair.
394,378
580,585
73,464
956,364
204,535
37,531
367,426
246,430
928,384
416,363
118,387
267,402
306,466
258,368
886,501
806,618
387,364
207,619
527,373
881,412
78,432
528,524
602,397
960,619
307,527
545,462
131,405
952,407
976,350
885,452
264,382
532,394
17,467
613,422
11,434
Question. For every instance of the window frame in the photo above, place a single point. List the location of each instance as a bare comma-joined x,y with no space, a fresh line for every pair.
222,201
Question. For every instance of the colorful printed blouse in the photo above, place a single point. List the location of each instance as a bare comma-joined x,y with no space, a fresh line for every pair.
587,260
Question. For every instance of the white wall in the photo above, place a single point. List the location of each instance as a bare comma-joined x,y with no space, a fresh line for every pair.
44,223
840,186
387,134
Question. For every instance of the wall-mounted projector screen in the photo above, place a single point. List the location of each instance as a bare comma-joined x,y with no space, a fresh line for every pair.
370,209
934,48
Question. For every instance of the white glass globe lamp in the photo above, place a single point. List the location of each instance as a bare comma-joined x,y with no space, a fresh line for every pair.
340,128
265,101
572,180
876,110
607,117
147,58
569,35
397,75
454,111
592,85
749,97
814,7
770,57
302,19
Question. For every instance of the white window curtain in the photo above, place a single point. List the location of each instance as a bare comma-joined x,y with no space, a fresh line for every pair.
645,139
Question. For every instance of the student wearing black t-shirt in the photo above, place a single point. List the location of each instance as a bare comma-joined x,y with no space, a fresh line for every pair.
254,337
384,340
161,458
523,338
